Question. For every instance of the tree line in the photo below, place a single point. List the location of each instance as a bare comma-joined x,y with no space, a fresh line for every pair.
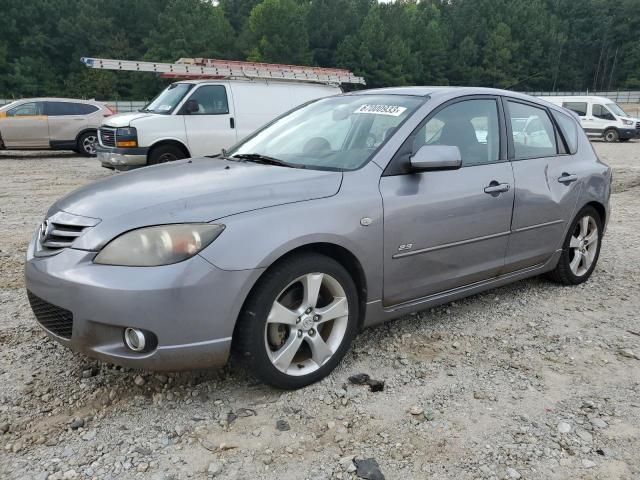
516,44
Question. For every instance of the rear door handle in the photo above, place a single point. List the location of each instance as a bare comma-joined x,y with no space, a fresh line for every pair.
232,122
567,178
495,187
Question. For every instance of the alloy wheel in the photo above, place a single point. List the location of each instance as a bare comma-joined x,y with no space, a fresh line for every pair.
89,144
583,245
306,324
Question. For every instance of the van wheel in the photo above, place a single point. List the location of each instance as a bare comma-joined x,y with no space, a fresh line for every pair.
611,135
164,154
86,144
299,321
581,248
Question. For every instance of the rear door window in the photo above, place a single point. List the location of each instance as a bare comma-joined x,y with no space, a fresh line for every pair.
532,130
579,107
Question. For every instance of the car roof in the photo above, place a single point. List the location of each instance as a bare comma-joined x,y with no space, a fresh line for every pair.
443,90
446,91
57,99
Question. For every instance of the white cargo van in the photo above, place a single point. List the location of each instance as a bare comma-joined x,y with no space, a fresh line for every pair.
199,117
600,117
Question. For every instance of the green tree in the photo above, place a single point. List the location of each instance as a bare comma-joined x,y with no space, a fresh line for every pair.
279,33
189,28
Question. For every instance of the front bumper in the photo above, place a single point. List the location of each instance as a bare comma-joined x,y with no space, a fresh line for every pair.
121,158
627,133
190,306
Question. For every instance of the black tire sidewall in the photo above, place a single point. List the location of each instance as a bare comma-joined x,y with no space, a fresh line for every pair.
157,152
565,257
81,149
257,308
615,137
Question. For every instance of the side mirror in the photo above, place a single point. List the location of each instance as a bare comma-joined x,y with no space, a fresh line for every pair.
436,157
191,107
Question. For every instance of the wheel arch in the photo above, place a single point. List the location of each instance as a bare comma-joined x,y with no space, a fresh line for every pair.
170,141
600,208
332,250
86,130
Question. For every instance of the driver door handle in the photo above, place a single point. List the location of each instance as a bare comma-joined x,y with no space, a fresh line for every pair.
567,178
495,187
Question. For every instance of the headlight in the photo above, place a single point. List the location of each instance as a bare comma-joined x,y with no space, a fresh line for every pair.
126,137
627,122
160,245
126,132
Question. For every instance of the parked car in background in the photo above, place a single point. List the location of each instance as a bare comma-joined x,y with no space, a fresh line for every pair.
52,124
198,117
600,117
344,213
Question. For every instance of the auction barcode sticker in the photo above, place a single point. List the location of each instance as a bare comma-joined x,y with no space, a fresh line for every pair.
393,110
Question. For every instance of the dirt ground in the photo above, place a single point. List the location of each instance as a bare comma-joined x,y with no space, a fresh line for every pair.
531,381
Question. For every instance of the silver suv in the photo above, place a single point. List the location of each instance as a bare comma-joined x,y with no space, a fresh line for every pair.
52,123
344,213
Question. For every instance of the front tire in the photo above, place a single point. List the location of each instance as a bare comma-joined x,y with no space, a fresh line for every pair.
581,248
611,135
299,321
164,154
86,144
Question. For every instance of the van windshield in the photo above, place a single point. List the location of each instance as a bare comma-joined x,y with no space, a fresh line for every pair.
336,133
168,99
615,108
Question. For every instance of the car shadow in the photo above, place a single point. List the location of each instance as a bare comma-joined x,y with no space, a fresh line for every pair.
36,155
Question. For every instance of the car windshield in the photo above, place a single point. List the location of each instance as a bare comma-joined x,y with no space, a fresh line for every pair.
615,108
335,133
168,99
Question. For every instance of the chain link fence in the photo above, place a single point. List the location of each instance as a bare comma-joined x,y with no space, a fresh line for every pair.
618,96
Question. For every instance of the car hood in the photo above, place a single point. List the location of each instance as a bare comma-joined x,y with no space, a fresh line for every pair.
194,190
125,119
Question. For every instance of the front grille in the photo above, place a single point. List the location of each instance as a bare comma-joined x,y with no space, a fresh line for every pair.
60,231
54,319
637,125
107,137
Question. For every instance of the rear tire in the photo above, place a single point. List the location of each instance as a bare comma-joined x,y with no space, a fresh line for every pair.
86,144
581,248
298,322
611,135
164,154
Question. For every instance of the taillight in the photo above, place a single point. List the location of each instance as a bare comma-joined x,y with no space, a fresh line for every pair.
110,111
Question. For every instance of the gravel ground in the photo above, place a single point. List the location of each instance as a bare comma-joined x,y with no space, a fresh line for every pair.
531,381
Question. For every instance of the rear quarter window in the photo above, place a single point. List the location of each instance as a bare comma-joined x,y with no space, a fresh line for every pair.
569,128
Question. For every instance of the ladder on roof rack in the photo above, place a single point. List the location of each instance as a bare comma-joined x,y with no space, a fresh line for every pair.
203,68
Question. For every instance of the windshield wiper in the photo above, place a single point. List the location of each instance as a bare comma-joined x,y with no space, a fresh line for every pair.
257,158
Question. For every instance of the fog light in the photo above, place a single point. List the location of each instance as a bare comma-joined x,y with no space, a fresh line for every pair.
135,339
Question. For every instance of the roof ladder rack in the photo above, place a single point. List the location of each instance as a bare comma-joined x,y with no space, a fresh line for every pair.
208,68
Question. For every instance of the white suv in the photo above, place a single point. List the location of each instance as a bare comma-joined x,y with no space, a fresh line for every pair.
52,123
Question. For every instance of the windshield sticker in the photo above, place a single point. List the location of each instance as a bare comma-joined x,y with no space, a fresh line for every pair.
164,108
393,110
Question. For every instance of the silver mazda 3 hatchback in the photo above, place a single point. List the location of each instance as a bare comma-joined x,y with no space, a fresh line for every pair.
344,213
